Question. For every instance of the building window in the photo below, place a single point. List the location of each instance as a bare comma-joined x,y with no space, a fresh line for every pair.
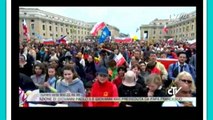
160,23
51,34
81,32
43,21
153,37
160,32
43,34
183,29
33,33
56,35
166,23
187,28
56,29
179,29
176,30
78,31
192,27
85,32
50,28
32,20
154,32
192,34
56,24
160,37
66,30
43,27
50,22
61,29
32,26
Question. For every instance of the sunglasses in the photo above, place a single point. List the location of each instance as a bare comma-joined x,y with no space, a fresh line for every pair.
103,75
186,81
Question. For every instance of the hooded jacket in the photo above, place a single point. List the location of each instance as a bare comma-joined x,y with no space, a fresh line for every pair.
76,86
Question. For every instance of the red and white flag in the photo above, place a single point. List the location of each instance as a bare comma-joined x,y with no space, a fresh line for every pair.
165,29
120,60
49,41
123,40
96,28
25,29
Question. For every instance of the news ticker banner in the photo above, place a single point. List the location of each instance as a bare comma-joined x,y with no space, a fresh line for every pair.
70,97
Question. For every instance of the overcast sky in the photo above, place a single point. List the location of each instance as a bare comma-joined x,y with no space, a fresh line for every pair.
126,19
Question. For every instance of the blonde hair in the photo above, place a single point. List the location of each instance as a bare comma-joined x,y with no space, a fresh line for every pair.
154,78
186,74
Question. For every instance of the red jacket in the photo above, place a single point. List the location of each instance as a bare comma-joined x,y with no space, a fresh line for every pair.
106,89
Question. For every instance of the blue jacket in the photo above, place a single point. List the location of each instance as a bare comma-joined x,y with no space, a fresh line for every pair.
174,70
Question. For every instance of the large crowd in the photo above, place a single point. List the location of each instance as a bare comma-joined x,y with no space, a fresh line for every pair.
92,70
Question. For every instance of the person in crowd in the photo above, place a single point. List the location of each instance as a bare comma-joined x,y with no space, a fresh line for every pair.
90,69
24,66
144,73
71,84
39,76
112,70
130,88
139,79
50,80
184,91
26,83
159,66
102,87
180,66
187,78
119,78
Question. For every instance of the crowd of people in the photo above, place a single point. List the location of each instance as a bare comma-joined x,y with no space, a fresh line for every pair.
91,70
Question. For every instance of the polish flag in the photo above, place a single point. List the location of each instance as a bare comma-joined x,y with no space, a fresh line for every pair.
25,28
165,29
48,41
120,60
123,40
96,28
26,31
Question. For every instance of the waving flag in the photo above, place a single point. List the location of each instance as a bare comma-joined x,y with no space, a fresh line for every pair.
105,33
120,60
96,28
165,29
123,40
62,40
49,41
25,29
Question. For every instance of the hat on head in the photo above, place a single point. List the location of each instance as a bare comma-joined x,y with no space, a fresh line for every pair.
129,79
102,70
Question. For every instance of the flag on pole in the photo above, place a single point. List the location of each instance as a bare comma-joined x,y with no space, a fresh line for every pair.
96,28
165,29
25,29
105,33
